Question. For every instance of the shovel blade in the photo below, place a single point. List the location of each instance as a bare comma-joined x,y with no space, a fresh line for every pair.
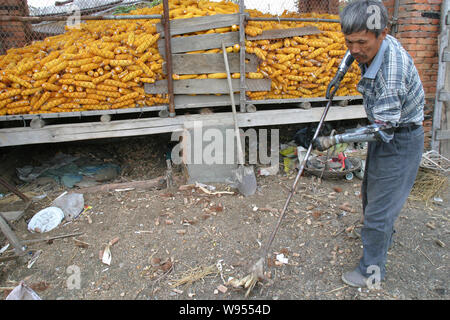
246,180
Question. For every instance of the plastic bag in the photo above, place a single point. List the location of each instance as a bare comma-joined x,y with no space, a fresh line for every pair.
45,220
22,292
71,204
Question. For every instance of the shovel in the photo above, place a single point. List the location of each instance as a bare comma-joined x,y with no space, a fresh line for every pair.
245,175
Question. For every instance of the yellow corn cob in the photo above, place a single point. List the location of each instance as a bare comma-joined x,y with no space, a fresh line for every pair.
85,84
24,67
120,63
10,93
89,66
20,81
102,53
28,92
219,75
20,110
260,53
95,97
323,80
147,80
115,83
82,77
69,105
336,52
41,75
145,57
131,75
103,87
51,56
79,63
45,96
66,81
53,78
18,104
51,86
78,95
72,70
86,101
147,42
102,78
255,75
315,53
126,97
122,104
53,103
317,44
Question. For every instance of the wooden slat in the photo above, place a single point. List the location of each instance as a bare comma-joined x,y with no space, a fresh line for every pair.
200,42
208,63
446,56
285,33
442,134
206,86
444,96
128,128
201,101
183,26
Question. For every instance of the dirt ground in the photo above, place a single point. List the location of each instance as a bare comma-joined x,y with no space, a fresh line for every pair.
164,236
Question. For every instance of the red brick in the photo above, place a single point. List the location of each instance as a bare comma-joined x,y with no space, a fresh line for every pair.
417,34
418,7
426,54
431,60
415,47
429,41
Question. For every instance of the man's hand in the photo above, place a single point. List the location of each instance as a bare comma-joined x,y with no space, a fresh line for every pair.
323,143
332,87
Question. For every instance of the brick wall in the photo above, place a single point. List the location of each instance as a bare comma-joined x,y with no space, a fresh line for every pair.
418,31
13,34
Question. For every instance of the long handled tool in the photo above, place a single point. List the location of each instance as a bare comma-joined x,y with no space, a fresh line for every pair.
245,175
257,270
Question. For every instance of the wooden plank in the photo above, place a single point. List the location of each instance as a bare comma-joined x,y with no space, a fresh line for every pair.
200,42
183,26
442,134
207,63
202,101
146,126
446,56
206,86
285,33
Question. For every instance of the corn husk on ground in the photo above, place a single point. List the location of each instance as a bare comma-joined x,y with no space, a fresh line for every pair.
104,65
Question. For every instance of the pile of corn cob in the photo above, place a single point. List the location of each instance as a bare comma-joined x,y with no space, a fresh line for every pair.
104,64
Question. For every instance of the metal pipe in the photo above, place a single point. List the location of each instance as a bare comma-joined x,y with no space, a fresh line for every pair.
293,19
242,85
64,18
395,17
168,47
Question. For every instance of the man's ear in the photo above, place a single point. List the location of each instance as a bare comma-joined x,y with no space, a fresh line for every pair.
384,33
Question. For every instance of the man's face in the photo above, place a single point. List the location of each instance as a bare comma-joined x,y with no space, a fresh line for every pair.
364,45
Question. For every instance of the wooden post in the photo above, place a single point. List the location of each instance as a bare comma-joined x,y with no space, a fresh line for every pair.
167,39
242,54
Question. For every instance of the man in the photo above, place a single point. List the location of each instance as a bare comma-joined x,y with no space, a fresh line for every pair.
393,100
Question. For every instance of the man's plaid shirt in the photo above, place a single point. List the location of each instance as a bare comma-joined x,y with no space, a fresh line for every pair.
391,86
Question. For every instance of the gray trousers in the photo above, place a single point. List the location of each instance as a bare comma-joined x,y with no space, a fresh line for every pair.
391,169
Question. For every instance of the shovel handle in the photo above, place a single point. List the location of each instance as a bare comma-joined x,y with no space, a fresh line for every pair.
297,178
233,106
